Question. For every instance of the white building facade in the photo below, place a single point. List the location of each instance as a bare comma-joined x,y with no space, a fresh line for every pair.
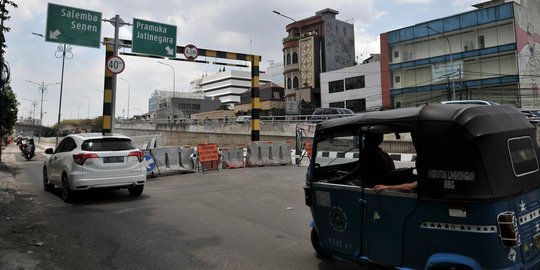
357,88
227,85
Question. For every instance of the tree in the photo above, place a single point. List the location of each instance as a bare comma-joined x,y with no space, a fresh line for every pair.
8,112
8,101
223,107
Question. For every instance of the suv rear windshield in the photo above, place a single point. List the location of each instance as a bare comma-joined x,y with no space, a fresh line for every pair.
107,144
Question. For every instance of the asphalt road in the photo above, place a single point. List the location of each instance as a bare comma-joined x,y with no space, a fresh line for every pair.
249,218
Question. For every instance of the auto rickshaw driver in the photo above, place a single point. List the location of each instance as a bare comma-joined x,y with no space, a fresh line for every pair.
374,160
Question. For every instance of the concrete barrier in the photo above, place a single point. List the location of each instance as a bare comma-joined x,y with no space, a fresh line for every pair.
186,160
167,159
232,158
268,154
284,154
254,155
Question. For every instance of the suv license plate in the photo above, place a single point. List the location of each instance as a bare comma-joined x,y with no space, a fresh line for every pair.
113,159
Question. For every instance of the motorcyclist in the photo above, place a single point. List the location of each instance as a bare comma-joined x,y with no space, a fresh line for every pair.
28,148
32,146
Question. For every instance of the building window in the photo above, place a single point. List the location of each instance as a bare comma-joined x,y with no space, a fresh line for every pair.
397,79
355,82
289,83
357,105
276,95
296,84
295,58
288,59
335,86
481,42
396,54
340,104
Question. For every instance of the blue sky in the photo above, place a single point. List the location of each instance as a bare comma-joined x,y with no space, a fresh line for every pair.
244,26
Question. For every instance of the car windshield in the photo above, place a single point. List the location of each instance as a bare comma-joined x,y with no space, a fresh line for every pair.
107,144
334,149
346,111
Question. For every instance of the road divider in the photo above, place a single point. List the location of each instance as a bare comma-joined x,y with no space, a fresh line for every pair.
232,158
261,154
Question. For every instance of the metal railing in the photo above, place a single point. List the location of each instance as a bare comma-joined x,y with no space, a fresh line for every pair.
264,119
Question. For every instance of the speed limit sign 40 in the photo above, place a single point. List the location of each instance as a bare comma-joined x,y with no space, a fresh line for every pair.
115,64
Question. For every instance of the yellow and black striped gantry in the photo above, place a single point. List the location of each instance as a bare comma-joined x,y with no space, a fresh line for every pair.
253,59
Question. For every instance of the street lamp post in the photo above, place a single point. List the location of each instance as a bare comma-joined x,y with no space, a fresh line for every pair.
42,88
62,51
129,93
451,59
297,94
174,87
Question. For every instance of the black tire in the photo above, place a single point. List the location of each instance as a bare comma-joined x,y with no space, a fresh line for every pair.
67,194
316,243
46,185
136,190
28,157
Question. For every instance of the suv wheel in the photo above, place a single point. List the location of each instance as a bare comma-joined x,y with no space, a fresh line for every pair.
67,193
136,190
46,185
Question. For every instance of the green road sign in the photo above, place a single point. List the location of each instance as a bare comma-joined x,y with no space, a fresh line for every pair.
73,26
153,38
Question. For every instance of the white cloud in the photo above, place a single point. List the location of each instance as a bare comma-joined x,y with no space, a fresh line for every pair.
423,2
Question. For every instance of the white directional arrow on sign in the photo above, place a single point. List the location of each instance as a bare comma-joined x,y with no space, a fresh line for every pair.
55,34
169,50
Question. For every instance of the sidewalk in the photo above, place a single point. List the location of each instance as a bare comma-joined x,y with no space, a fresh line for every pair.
7,182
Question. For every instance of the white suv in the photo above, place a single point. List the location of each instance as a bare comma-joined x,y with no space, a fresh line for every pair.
92,160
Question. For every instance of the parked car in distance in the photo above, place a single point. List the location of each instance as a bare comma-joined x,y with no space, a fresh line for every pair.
321,114
471,101
92,160
243,119
533,115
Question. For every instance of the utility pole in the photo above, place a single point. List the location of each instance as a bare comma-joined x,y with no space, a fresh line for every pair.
42,88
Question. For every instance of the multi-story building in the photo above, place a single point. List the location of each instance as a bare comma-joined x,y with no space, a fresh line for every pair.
489,53
313,45
179,105
275,70
357,88
226,85
272,101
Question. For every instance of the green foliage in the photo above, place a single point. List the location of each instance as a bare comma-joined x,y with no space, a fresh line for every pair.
4,16
8,111
223,107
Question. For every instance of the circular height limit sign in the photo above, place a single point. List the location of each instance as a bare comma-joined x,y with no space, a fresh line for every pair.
191,52
115,64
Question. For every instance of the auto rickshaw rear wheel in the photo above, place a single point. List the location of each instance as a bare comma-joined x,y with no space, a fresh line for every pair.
316,243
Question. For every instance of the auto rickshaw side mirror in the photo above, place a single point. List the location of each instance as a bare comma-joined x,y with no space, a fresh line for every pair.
49,151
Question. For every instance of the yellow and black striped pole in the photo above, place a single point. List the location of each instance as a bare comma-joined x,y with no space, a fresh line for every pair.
255,100
107,91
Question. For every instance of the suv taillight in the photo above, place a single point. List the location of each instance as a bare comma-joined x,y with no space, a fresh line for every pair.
81,158
508,229
138,154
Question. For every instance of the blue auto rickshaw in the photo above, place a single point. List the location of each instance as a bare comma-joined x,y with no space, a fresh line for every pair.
477,201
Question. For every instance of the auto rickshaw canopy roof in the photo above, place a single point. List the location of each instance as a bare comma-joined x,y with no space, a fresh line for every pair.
463,151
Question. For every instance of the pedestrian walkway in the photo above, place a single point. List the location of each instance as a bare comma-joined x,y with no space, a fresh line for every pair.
7,182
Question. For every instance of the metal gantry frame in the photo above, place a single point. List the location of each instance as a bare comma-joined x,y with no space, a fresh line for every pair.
110,78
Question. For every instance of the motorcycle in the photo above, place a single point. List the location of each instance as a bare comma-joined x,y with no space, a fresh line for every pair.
28,149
